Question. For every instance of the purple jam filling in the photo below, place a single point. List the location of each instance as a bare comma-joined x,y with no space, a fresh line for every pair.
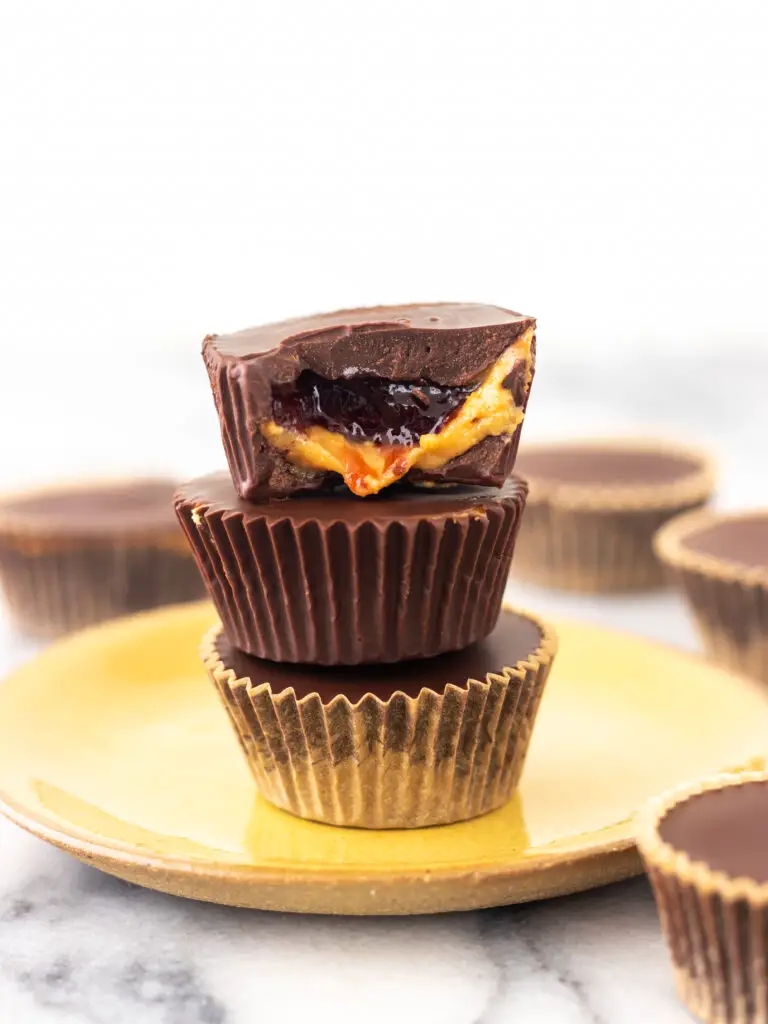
367,408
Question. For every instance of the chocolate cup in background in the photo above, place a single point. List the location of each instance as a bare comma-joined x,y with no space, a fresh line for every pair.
75,554
592,530
449,344
341,580
719,561
403,746
715,924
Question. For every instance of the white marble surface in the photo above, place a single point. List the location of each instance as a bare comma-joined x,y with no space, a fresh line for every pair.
77,947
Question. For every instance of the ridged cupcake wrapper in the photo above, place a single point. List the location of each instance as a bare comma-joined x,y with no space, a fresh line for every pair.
590,551
732,619
52,589
716,927
405,762
729,603
595,538
332,593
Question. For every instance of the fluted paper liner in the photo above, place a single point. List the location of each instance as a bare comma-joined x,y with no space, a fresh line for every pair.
729,602
55,582
328,592
56,591
716,927
404,762
594,538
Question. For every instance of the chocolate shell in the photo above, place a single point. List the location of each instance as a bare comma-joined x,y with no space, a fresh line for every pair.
336,580
704,848
74,554
440,346
595,505
719,560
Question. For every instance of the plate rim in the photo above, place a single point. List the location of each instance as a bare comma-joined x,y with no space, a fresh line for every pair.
80,841
303,886
619,853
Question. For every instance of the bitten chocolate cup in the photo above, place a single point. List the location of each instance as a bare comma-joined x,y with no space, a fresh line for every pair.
402,746
594,506
333,580
372,396
719,560
705,848
78,553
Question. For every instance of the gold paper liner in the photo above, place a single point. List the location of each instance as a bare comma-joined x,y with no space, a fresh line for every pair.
596,538
53,590
728,601
716,927
405,762
327,592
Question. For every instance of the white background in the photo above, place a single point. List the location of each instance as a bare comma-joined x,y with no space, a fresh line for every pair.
170,169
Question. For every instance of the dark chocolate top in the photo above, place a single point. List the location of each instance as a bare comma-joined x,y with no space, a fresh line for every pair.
725,828
571,464
217,493
447,343
98,507
743,540
514,639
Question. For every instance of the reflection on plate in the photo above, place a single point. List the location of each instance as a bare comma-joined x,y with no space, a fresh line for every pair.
113,746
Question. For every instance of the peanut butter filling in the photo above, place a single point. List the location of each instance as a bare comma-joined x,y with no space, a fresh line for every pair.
368,468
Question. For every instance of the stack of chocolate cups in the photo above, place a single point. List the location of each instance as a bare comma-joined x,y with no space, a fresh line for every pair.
357,555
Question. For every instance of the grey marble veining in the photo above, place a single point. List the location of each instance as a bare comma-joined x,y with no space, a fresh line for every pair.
78,946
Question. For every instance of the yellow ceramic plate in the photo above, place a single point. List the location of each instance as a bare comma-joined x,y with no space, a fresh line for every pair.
113,746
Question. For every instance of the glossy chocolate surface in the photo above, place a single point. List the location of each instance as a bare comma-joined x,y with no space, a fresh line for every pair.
367,408
216,492
743,540
338,580
611,466
368,365
445,342
725,828
135,505
513,640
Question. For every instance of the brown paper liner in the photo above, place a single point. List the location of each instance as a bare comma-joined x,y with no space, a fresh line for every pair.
716,927
600,538
55,587
328,592
404,762
728,601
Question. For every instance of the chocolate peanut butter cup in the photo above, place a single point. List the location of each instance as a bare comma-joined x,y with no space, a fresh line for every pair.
334,580
720,562
74,554
372,396
705,848
424,742
594,506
